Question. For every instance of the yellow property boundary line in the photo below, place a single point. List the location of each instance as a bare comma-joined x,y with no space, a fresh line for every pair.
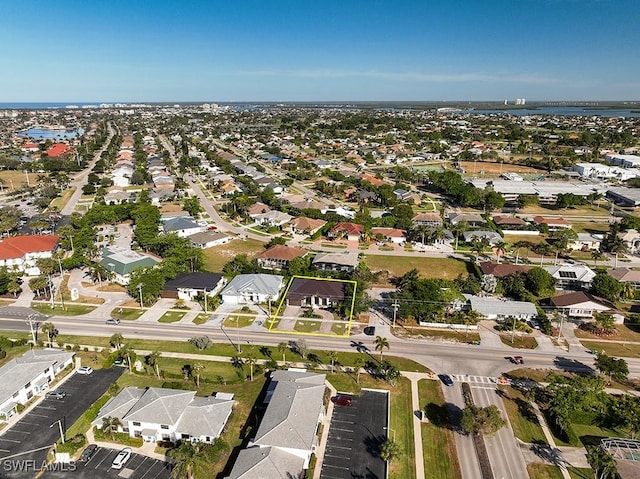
284,297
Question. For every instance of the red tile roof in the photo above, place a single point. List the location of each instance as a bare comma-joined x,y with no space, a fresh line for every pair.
58,149
348,228
17,246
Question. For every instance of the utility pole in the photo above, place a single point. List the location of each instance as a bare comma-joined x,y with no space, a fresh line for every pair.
61,280
562,313
33,332
395,310
238,333
513,330
60,426
53,304
140,291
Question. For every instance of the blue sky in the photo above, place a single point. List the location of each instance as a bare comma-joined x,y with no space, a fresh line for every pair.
320,50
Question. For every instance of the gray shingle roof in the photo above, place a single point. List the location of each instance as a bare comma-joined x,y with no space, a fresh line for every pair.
205,416
19,371
177,224
291,417
120,405
344,259
266,462
267,284
160,406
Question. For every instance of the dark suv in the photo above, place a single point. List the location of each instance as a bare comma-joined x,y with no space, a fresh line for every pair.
88,453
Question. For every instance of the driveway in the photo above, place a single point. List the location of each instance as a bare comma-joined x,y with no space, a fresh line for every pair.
30,438
355,433
99,467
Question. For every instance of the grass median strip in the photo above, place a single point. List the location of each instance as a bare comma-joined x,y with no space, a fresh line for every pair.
522,417
438,444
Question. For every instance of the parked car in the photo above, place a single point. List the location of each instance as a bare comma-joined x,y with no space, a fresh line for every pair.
517,359
88,453
369,330
112,321
121,459
56,394
86,370
341,400
446,379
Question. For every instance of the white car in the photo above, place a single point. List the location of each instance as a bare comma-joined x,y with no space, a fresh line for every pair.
121,459
86,370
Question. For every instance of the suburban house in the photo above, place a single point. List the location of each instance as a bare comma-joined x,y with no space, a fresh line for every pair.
315,293
511,223
23,377
307,226
273,218
288,432
394,235
631,238
21,252
577,304
188,286
626,275
257,209
586,242
183,227
427,219
252,289
491,236
160,414
346,261
554,224
472,219
500,270
350,231
121,262
208,239
571,276
278,256
499,309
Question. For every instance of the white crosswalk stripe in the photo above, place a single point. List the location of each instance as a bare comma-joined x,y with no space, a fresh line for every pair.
475,379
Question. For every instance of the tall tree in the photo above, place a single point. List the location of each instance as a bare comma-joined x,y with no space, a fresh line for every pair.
358,362
49,330
602,462
381,343
153,360
390,450
197,369
184,458
614,368
110,425
283,348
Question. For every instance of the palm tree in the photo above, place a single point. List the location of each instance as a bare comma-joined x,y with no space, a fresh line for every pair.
110,425
48,328
458,229
333,356
477,247
283,348
628,290
116,340
358,362
127,353
251,361
603,462
184,458
389,450
197,369
13,287
381,343
153,360
596,254
500,249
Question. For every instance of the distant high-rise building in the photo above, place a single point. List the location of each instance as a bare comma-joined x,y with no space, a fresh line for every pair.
521,101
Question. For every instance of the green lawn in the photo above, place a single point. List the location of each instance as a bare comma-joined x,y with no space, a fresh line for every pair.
543,471
447,268
240,319
201,318
624,332
580,473
339,328
614,349
69,310
520,342
127,314
307,326
217,256
172,316
438,443
521,416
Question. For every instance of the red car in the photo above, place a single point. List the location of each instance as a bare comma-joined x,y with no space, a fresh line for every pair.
341,400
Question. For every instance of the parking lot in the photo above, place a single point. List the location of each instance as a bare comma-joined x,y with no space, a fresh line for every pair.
31,437
99,467
355,433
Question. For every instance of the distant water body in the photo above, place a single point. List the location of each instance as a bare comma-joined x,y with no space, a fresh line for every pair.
50,133
562,111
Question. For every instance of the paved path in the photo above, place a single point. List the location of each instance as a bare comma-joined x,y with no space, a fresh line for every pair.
417,425
549,437
26,297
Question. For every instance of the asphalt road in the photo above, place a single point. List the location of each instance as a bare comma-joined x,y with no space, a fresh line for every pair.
504,454
23,447
469,465
355,433
446,358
